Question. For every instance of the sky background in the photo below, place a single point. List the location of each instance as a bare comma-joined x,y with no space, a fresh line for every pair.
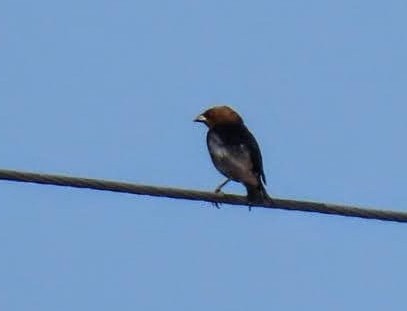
108,89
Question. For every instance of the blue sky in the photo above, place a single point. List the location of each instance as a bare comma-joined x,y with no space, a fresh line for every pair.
108,89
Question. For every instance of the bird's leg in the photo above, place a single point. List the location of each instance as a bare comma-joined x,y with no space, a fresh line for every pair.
217,190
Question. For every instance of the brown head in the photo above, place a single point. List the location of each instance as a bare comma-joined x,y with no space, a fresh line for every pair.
219,115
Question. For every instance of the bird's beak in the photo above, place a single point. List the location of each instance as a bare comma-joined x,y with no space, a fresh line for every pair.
200,118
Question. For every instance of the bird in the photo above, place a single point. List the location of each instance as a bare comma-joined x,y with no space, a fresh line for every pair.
234,151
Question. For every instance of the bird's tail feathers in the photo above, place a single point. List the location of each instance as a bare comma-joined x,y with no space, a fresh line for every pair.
257,194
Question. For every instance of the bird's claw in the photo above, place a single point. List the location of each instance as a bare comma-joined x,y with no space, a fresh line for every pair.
217,191
216,204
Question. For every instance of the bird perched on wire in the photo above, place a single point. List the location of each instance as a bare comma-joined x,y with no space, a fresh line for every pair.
234,151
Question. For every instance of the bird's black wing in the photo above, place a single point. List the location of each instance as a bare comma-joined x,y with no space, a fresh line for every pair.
255,153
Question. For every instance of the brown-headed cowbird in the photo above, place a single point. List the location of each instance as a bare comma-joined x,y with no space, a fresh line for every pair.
234,151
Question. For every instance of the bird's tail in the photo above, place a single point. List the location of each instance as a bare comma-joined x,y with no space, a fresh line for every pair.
257,194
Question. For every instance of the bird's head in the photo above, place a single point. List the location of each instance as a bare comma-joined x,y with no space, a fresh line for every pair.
219,115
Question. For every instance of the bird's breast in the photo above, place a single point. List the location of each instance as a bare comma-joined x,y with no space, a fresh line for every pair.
217,147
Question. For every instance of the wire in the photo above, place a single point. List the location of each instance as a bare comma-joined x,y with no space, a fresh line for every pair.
217,198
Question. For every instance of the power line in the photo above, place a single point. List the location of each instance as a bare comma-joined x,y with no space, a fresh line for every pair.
107,185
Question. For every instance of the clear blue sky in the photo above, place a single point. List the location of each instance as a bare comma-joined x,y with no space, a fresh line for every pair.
108,89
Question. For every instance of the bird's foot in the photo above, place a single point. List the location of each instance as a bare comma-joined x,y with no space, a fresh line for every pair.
217,191
216,204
